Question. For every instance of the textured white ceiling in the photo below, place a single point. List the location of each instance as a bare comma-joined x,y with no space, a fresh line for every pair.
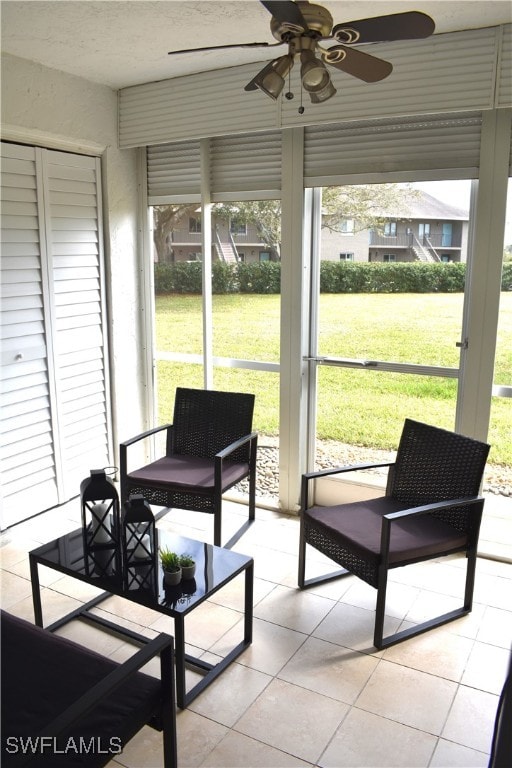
125,42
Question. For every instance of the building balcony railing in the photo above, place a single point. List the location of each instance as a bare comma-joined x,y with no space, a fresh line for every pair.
406,241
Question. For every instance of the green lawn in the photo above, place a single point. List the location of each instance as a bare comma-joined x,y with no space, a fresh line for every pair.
362,407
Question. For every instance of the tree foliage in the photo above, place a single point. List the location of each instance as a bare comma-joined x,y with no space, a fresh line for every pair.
366,204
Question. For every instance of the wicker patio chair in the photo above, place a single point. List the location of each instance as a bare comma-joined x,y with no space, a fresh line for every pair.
431,508
210,447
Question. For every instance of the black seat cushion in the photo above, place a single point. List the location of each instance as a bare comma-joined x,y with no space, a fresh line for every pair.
43,674
357,528
188,473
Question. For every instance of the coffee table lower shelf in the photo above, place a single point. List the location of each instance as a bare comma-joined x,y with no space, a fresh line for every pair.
183,660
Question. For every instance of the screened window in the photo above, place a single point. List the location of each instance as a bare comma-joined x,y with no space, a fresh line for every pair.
237,227
347,226
194,224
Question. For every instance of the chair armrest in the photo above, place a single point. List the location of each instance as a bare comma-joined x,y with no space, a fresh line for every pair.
307,476
162,644
423,509
143,435
123,451
232,447
349,468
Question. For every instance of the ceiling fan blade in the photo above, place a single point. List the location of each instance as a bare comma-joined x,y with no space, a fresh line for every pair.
356,63
219,47
397,26
286,12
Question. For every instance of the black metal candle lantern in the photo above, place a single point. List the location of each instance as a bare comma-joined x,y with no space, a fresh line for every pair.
101,524
140,545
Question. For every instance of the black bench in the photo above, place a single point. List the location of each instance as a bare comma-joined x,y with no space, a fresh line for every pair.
65,705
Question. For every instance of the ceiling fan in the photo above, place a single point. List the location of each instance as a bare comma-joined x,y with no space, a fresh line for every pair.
303,26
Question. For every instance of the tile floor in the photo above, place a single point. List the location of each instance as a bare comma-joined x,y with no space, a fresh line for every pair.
311,690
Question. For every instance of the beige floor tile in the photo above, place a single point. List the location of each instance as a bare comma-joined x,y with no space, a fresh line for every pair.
96,639
399,597
271,565
494,591
364,740
13,549
229,696
451,755
54,604
329,669
272,646
468,625
235,748
486,668
75,588
471,719
407,696
352,627
197,737
204,626
119,607
47,576
437,652
292,719
13,588
145,750
429,604
496,627
293,608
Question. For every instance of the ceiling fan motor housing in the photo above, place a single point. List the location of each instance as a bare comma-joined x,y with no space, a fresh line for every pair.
318,19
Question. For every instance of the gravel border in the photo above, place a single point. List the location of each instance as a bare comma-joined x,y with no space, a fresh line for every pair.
497,479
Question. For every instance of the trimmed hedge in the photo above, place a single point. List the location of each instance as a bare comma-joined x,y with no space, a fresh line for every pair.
335,277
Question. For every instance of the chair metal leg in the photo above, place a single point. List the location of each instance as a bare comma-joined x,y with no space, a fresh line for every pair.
252,495
380,608
217,524
381,642
303,583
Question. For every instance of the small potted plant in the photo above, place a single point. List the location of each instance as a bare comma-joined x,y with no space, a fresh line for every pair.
188,566
171,566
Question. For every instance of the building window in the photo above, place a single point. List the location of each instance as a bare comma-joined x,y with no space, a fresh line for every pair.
389,257
346,257
347,226
390,228
194,225
237,227
264,255
445,258
241,255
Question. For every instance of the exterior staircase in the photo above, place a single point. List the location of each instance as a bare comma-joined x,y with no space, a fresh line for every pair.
226,251
422,253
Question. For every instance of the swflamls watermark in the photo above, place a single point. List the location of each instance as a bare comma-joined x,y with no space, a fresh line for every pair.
77,745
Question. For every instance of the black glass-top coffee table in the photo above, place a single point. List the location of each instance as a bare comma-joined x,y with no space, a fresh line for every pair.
215,567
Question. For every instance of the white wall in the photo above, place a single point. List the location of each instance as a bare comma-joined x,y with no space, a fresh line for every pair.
51,109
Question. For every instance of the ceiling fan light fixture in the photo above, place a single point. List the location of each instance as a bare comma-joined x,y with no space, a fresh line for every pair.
272,78
313,73
317,97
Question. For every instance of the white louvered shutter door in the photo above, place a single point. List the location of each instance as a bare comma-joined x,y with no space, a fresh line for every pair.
28,471
73,237
55,412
